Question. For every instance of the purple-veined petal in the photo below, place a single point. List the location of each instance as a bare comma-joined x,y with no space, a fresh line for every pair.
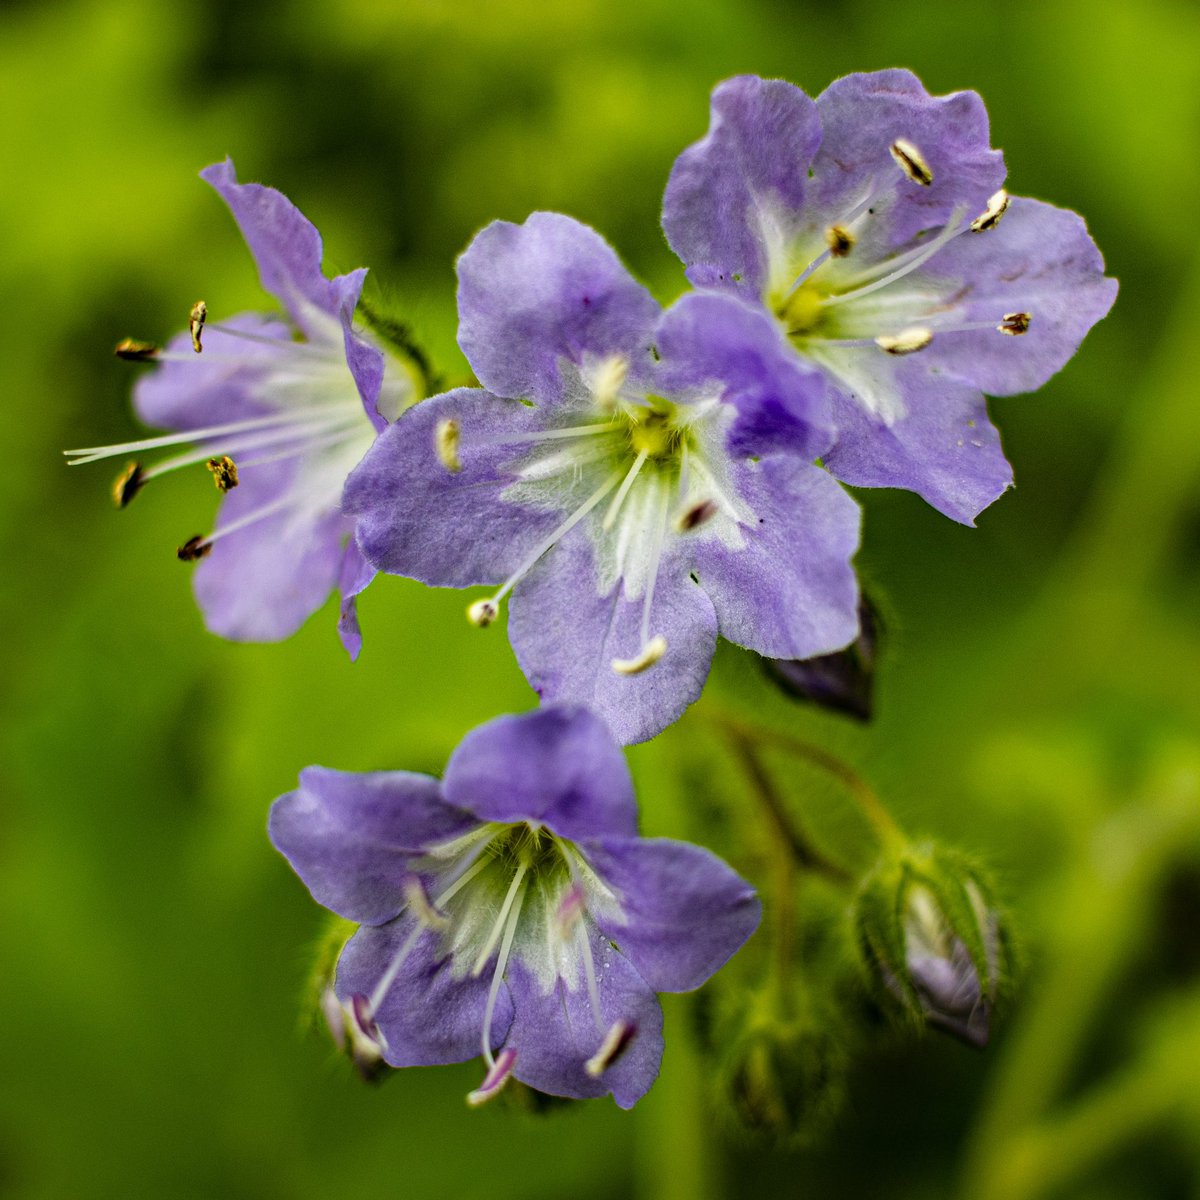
551,289
782,402
566,636
686,912
558,765
349,836
733,198
427,1016
555,1032
790,591
446,528
945,448
862,116
1038,260
219,386
356,575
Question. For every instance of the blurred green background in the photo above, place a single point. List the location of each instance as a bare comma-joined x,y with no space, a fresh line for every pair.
1037,706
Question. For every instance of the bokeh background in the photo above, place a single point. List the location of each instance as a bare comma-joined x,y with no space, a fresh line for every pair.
1037,704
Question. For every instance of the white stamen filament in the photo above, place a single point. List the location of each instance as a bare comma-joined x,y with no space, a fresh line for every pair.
510,930
589,971
656,548
251,518
334,439
542,435
498,928
389,976
614,508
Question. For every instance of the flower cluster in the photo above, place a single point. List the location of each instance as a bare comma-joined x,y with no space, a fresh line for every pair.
629,483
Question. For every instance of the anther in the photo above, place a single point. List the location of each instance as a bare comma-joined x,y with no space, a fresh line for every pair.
366,1041
615,1043
132,350
194,548
695,516
990,217
482,613
1014,324
839,240
128,484
908,341
569,911
911,161
608,381
651,652
196,319
445,442
495,1079
224,472
421,906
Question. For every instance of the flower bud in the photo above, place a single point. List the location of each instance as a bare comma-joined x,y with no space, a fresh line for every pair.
843,681
933,937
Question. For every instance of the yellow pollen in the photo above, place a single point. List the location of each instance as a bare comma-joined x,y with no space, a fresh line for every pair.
654,435
224,472
839,240
196,319
801,311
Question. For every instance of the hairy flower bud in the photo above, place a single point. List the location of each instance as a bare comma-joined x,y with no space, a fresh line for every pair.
935,940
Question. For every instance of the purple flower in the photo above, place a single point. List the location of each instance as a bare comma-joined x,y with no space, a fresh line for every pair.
871,224
640,481
512,909
281,411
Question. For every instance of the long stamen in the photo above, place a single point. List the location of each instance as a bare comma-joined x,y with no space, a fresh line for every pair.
905,263
623,491
334,439
845,224
542,435
498,928
656,548
510,930
589,971
398,959
484,612
198,547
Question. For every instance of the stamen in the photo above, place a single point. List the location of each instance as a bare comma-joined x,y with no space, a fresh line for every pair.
695,516
128,484
909,341
484,612
990,217
650,653
497,1076
608,381
615,1043
194,548
389,976
132,350
420,906
589,972
224,472
367,1043
839,240
623,491
445,441
510,930
498,928
912,161
543,435
1015,323
196,319
569,911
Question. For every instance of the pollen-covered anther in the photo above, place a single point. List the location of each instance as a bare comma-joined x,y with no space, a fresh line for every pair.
696,515
421,907
445,442
131,350
1015,324
911,161
990,217
608,381
481,613
224,472
128,484
650,653
839,240
194,548
497,1076
907,341
196,319
615,1043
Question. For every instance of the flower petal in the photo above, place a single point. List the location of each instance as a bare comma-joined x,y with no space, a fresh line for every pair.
261,582
782,402
733,198
686,912
1038,260
530,295
349,836
862,116
557,765
555,1032
790,591
355,577
427,1016
446,528
287,250
944,448
566,636
223,384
